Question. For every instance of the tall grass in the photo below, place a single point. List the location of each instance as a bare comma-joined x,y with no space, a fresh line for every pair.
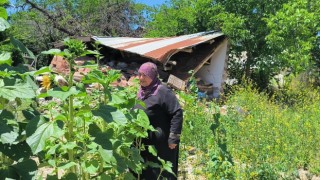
267,138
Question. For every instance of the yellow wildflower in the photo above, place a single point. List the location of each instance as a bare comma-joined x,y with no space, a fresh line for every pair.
46,82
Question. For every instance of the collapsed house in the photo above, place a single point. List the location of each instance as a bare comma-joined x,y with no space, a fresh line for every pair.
204,54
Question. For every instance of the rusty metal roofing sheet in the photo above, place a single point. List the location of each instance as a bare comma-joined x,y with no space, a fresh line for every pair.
159,49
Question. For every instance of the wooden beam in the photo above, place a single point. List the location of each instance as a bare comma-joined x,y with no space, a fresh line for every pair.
208,57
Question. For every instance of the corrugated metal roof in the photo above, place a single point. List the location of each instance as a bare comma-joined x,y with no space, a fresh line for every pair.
159,49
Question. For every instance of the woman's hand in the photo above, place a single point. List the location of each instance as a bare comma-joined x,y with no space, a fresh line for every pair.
172,146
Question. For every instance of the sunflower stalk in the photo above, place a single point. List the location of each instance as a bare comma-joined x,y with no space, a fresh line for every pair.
70,114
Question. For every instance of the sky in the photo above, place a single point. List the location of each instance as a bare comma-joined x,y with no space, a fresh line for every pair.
151,2
147,2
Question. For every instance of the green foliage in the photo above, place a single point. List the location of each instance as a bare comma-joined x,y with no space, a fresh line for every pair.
41,24
97,133
11,50
254,137
181,17
293,33
20,46
4,2
195,120
102,133
268,138
104,81
74,132
265,37
192,83
3,24
16,90
16,57
221,163
295,90
204,129
5,58
173,19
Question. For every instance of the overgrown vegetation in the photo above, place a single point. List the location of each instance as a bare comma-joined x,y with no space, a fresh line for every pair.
256,137
78,134
269,130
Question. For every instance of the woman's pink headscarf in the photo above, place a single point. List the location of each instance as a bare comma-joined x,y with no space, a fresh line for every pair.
149,69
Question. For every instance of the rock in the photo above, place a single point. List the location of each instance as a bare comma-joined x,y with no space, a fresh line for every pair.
59,65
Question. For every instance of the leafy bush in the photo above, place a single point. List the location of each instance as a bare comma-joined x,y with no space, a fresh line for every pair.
77,133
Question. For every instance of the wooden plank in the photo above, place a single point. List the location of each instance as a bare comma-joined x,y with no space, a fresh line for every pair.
176,83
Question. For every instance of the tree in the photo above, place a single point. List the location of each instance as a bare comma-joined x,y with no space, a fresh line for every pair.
242,21
294,35
40,23
273,35
174,18
11,50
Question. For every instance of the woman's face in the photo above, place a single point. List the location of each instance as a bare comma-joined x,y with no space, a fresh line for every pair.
144,80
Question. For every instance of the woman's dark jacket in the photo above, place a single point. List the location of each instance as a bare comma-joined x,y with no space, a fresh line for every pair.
165,115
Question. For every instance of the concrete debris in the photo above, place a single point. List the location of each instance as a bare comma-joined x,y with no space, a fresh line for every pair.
128,70
60,80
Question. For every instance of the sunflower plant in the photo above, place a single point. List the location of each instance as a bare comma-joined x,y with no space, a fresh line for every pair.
74,133
83,136
46,82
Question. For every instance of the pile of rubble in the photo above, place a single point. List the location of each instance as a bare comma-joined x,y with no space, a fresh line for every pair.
129,70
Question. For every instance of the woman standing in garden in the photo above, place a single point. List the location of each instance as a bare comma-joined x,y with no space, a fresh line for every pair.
165,115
